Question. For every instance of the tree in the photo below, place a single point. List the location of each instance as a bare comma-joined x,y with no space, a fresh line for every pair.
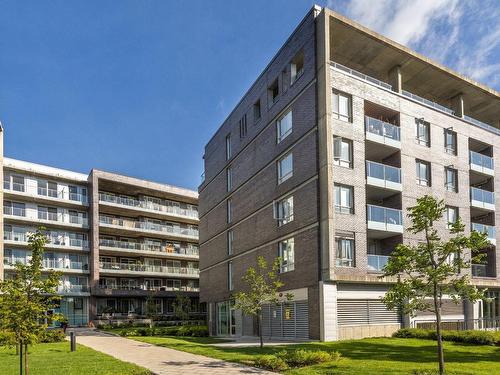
151,308
182,306
433,268
26,297
262,288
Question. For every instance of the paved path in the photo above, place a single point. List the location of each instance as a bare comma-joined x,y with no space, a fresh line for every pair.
158,359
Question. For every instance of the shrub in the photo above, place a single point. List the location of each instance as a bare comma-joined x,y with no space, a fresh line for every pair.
6,339
468,337
302,357
53,335
191,331
271,362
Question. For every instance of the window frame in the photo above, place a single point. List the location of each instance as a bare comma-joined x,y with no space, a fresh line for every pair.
340,249
229,179
453,149
295,73
285,249
339,208
229,213
280,211
230,242
449,209
228,147
454,182
338,157
230,285
280,136
336,104
423,139
423,181
283,177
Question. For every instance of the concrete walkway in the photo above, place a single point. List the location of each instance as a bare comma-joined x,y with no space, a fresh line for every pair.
158,359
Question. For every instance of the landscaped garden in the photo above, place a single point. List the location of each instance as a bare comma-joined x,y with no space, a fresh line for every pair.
56,358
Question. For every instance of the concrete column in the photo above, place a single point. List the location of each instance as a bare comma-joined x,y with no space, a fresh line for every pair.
395,79
468,314
328,311
457,104
93,195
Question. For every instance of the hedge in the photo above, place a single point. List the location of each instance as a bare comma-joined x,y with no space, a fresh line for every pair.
192,331
468,337
287,359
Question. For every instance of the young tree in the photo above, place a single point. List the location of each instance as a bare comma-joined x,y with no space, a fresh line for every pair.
262,288
151,308
26,298
182,306
433,268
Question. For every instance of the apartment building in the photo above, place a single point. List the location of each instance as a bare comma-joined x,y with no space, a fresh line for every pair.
119,242
318,163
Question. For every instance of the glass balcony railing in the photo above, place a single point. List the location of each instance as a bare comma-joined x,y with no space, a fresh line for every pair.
382,129
149,268
479,270
14,211
147,205
168,249
49,263
23,237
384,218
377,262
192,232
76,242
78,220
182,288
383,172
484,162
74,288
482,198
488,229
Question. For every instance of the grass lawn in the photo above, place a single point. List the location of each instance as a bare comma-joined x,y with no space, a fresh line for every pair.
56,359
367,356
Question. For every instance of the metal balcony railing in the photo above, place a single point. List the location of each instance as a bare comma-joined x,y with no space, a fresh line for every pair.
78,220
49,192
149,247
49,263
481,124
377,262
383,172
74,288
149,268
132,202
428,103
148,226
383,129
183,288
359,75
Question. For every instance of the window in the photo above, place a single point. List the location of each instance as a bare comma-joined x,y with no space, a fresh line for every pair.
18,183
230,238
14,208
229,213
284,126
228,146
256,111
423,132
229,178
344,252
341,106
451,179
344,199
450,141
230,285
284,211
297,67
6,181
285,168
243,126
273,92
451,215
342,152
423,173
286,254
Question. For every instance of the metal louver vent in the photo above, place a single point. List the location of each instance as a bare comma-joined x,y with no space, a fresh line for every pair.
362,311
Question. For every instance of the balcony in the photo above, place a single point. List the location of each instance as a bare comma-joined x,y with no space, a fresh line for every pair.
73,289
147,205
49,264
482,199
139,226
382,132
22,239
384,176
482,163
44,193
384,219
124,268
134,247
142,287
488,229
377,262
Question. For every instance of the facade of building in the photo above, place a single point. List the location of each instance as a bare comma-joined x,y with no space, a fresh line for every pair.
318,163
120,242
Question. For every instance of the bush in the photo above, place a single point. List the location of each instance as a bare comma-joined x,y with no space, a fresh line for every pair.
53,335
468,337
302,357
6,339
191,331
271,362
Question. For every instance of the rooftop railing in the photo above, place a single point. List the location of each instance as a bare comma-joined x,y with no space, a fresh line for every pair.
481,125
361,76
428,102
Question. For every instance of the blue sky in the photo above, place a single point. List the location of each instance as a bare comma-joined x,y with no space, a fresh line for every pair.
139,87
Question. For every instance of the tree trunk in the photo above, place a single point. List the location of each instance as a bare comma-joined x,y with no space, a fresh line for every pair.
26,366
21,358
437,309
260,331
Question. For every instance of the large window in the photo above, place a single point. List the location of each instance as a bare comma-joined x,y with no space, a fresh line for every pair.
344,199
230,285
284,210
450,141
284,126
286,254
229,178
285,168
230,239
341,106
423,173
451,215
451,179
228,146
342,152
344,251
423,132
